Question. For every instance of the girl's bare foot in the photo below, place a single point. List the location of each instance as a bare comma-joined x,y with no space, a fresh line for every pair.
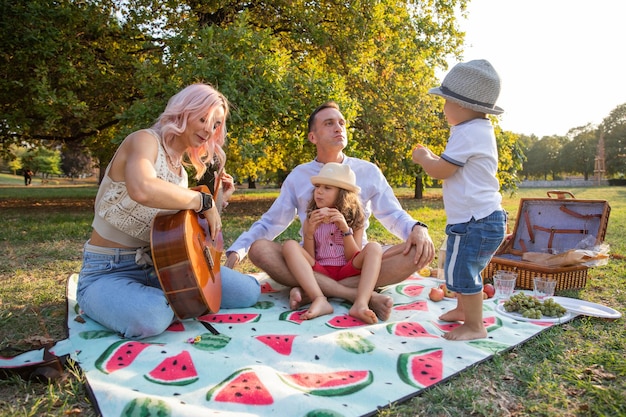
297,298
453,315
319,307
364,314
381,305
465,332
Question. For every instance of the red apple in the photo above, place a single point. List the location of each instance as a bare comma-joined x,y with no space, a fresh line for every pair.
436,294
489,290
447,292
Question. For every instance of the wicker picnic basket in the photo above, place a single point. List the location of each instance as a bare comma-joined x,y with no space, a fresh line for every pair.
557,223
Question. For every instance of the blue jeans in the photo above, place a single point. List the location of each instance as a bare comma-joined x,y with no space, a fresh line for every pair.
469,249
126,297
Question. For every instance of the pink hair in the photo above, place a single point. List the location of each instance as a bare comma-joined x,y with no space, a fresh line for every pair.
196,100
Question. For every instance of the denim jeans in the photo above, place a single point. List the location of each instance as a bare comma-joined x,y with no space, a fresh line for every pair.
126,297
469,249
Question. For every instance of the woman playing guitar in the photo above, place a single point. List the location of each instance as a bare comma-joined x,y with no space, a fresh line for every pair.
118,285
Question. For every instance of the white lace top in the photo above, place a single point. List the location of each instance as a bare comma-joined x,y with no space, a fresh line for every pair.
121,219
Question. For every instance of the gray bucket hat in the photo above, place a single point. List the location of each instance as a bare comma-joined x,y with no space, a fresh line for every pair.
474,85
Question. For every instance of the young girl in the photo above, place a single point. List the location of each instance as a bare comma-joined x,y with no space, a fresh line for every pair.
333,234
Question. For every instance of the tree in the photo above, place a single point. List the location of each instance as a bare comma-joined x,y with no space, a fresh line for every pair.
614,129
91,72
542,159
276,61
578,154
76,161
511,158
45,161
66,70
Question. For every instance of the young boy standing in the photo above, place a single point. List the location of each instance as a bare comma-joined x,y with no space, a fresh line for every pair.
476,222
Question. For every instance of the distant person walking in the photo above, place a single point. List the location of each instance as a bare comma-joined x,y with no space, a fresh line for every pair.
28,176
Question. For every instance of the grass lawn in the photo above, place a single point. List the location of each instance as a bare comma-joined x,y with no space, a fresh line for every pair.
576,369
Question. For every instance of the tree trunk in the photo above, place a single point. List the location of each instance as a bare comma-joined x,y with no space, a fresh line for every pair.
251,183
419,188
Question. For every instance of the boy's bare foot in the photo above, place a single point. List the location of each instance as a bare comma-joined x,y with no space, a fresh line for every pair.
297,298
364,314
453,315
465,332
381,305
319,307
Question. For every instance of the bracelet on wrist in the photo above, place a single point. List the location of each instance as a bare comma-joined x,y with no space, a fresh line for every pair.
207,202
419,224
348,233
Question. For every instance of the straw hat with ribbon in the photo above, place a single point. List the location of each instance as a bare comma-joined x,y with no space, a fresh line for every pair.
337,175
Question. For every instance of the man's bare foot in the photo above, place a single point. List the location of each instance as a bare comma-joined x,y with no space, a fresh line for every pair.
364,314
319,307
453,315
297,298
465,332
381,305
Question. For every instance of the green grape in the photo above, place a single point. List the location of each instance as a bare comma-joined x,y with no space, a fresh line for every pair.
530,307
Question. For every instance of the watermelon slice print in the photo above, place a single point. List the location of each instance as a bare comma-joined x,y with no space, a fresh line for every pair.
293,316
417,306
210,342
145,407
96,334
542,323
354,343
410,290
408,329
345,321
489,346
490,323
177,326
120,355
421,369
176,370
281,343
230,318
267,287
330,384
323,413
241,387
263,305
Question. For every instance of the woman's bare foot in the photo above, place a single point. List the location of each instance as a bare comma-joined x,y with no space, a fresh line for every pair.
319,307
364,314
297,298
453,315
381,305
466,332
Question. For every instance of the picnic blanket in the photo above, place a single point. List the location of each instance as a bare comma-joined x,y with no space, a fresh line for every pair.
265,360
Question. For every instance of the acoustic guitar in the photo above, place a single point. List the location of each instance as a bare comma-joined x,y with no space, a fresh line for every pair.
187,262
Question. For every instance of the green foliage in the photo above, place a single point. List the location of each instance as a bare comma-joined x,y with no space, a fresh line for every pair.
66,68
579,154
614,130
542,158
46,161
511,159
93,71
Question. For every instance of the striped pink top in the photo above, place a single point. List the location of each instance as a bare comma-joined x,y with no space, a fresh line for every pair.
329,248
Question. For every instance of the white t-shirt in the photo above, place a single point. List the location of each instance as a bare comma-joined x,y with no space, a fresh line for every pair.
473,190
